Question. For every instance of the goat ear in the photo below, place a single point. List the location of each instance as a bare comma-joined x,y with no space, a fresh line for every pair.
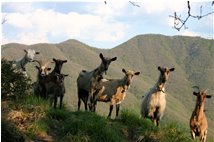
194,93
54,59
37,52
101,56
208,96
137,73
123,70
159,68
64,61
114,59
172,69
25,51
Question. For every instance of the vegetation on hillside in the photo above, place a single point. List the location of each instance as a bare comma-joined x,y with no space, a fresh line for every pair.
30,118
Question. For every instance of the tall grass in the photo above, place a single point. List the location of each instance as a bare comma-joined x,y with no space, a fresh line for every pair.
84,126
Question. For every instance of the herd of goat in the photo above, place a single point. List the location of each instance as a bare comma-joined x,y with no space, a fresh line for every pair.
93,87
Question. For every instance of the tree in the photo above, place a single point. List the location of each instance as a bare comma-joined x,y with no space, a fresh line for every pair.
180,23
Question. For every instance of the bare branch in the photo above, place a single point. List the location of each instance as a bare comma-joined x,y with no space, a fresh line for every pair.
134,4
4,19
180,23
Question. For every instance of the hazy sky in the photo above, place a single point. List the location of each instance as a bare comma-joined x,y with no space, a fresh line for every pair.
98,24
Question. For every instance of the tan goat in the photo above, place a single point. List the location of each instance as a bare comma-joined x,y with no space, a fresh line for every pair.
154,102
113,90
198,121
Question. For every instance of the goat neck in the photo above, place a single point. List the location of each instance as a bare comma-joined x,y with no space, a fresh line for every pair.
199,109
99,71
23,62
125,83
57,69
160,85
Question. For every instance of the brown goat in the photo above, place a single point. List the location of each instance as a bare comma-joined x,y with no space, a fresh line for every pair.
113,90
198,121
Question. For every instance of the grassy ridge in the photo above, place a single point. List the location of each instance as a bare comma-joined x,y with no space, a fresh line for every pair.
192,58
33,119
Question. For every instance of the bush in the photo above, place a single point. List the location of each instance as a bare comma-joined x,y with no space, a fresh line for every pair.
14,83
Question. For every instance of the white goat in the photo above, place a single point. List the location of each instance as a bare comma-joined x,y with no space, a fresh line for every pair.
154,102
21,63
84,81
113,90
198,121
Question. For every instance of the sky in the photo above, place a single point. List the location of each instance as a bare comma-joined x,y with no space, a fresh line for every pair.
98,24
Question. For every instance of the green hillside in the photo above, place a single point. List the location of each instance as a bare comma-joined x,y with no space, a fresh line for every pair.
192,57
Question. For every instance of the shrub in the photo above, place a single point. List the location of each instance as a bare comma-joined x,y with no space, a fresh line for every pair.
14,83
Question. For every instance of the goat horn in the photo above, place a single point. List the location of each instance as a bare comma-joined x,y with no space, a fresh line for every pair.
196,87
47,63
206,90
39,62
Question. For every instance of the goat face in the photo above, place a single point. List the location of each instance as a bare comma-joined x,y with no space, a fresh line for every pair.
59,78
129,75
106,61
201,95
43,71
165,73
58,64
29,54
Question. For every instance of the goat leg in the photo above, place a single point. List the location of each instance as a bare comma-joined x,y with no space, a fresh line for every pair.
61,98
110,110
117,109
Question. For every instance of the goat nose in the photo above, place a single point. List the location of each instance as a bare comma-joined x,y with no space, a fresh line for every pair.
42,74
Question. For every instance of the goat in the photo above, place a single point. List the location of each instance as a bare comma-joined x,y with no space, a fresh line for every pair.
154,102
39,85
113,90
198,121
84,81
51,77
57,89
21,63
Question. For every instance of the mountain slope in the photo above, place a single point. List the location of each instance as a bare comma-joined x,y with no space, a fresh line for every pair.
192,58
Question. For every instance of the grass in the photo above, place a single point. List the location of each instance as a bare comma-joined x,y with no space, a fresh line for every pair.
43,122
83,126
